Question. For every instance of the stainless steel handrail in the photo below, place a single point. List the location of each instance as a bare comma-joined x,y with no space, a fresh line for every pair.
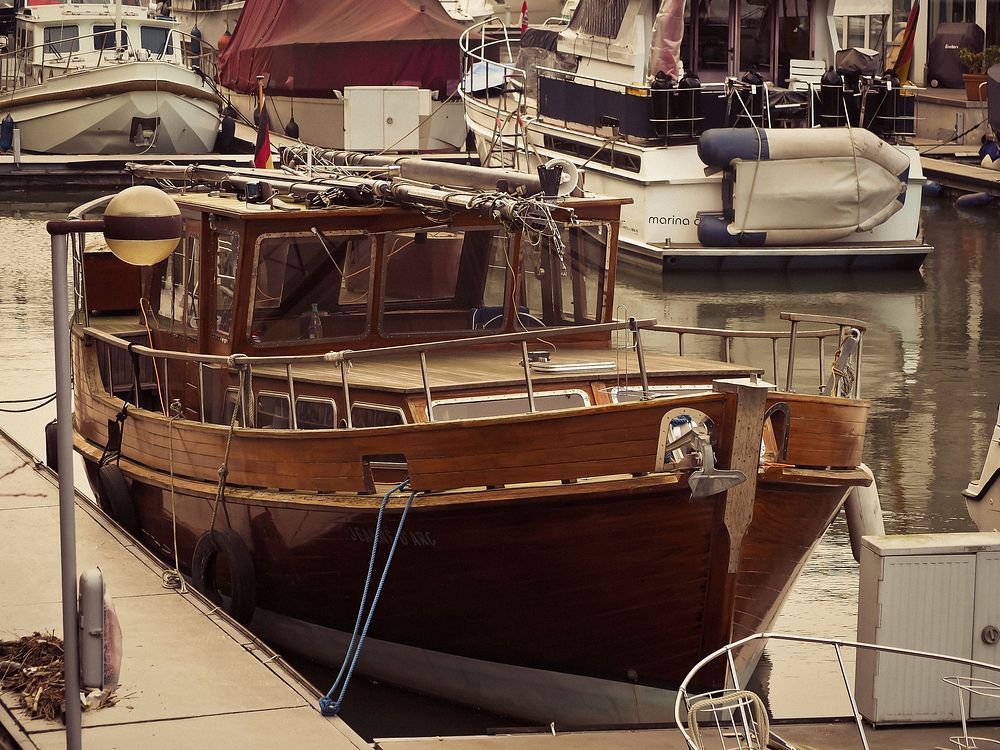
844,325
343,359
732,675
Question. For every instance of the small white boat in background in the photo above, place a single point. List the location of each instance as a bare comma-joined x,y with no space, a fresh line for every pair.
982,496
104,78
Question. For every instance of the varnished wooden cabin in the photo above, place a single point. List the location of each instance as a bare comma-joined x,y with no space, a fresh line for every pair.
328,364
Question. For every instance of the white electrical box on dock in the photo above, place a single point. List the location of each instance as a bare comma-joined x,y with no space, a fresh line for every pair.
927,592
380,118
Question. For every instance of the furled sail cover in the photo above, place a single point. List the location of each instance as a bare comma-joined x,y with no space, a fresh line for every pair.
310,48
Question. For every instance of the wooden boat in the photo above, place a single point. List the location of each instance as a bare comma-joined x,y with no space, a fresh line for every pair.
581,519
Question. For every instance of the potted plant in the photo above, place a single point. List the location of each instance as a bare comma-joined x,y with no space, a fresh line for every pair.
977,63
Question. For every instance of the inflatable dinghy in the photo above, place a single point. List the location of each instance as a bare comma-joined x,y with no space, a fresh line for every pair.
799,185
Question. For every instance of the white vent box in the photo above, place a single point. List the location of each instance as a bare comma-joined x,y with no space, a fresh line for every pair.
384,118
927,592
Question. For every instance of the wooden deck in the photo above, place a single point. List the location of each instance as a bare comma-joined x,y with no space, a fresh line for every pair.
969,178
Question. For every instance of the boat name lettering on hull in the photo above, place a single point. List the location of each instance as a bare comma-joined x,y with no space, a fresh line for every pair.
367,534
675,220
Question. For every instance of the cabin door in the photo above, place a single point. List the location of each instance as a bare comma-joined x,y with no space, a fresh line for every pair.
728,37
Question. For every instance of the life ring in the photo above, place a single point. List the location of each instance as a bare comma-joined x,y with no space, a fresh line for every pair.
242,585
115,499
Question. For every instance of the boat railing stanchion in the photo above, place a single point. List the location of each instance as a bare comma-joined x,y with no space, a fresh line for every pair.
774,358
791,355
633,326
857,366
293,419
527,376
165,398
729,348
821,352
680,344
201,391
427,385
344,364
111,370
135,375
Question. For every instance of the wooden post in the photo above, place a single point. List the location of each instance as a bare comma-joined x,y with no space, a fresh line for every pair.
740,450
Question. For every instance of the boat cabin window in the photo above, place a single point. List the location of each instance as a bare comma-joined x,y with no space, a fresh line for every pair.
62,39
564,283
156,39
376,415
178,309
446,281
506,405
105,37
226,258
313,413
599,17
310,287
272,411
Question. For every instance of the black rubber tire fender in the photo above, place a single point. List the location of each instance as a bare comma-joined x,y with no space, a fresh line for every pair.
115,499
52,446
242,580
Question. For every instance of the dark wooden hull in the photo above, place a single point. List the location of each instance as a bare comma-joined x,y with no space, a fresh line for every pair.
607,580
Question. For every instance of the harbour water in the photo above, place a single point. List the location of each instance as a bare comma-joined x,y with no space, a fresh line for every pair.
931,366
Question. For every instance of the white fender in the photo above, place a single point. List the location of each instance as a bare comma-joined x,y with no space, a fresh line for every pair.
864,513
982,496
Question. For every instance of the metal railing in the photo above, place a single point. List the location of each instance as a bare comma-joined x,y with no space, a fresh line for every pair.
243,365
20,69
686,700
844,329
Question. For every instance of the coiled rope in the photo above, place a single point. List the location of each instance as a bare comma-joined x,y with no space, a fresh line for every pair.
327,705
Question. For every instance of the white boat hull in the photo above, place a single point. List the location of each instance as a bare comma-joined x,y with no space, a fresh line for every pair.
670,190
96,111
530,694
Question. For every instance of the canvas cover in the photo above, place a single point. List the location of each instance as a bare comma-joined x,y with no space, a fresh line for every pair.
308,48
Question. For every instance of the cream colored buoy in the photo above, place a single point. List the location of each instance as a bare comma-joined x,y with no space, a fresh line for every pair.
142,225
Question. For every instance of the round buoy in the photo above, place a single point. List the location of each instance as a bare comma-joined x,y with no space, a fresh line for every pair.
115,499
142,225
234,579
223,41
292,128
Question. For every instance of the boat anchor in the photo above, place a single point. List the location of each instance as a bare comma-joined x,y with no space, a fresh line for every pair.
706,480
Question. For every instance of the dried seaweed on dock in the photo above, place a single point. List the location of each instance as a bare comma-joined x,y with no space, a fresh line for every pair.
32,667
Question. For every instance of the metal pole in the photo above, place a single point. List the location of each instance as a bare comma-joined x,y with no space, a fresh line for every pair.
67,496
527,376
427,385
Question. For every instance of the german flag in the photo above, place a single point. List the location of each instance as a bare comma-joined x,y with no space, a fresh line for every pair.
262,149
904,58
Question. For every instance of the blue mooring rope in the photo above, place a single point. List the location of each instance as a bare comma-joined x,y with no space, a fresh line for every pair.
327,706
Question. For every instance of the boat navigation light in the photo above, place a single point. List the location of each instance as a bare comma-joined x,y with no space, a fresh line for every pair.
142,225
